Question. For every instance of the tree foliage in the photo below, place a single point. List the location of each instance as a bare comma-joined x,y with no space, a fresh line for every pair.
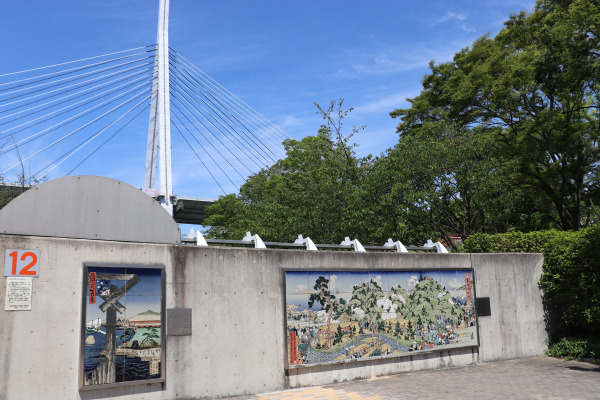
441,179
307,192
504,136
534,89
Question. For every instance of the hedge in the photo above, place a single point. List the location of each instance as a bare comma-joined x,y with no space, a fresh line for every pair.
571,273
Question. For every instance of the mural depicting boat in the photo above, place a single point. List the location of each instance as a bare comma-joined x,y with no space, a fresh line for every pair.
94,326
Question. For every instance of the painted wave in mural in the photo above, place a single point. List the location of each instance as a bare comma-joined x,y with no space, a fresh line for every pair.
342,315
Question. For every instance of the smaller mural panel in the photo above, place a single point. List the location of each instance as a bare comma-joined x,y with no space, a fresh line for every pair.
123,324
341,315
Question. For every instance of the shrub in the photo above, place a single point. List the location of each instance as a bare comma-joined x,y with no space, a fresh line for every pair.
570,277
575,348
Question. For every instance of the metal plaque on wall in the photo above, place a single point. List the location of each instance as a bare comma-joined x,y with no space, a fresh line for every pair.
179,321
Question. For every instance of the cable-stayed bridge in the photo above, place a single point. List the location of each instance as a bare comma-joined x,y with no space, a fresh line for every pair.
55,120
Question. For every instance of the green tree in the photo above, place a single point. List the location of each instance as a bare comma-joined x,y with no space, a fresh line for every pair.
364,298
326,299
307,192
150,335
534,89
439,180
338,335
410,333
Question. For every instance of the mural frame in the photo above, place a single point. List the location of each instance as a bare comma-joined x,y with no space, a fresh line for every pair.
155,274
475,342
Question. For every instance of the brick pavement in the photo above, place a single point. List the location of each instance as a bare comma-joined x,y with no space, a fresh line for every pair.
529,378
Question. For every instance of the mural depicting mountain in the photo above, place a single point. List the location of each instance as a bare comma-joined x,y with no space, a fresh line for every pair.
429,299
357,315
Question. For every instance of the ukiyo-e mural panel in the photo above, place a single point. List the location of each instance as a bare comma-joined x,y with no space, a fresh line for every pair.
122,324
342,315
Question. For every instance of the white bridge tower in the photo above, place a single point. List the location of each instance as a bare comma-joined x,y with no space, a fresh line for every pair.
159,130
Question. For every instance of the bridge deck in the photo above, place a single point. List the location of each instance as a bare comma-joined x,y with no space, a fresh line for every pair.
190,210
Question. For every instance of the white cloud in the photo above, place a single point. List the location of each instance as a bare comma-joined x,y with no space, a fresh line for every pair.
323,316
291,120
453,16
386,103
394,59
413,281
301,288
467,29
450,15
389,307
455,283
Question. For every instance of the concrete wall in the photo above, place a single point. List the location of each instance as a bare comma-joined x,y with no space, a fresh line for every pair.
89,207
516,327
237,298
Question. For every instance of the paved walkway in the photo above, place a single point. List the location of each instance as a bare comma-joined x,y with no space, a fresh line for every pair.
530,378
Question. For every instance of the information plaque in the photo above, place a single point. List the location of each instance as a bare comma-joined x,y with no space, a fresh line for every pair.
179,321
18,294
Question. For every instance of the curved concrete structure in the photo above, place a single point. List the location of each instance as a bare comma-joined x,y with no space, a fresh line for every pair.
89,207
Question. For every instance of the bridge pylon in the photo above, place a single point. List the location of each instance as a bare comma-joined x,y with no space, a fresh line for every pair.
158,150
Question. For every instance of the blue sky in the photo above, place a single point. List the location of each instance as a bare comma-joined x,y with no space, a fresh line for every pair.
278,57
144,296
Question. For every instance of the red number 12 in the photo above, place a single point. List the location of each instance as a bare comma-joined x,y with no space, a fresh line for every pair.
25,270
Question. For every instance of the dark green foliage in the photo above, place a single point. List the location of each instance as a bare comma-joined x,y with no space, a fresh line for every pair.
575,348
8,193
338,335
571,272
440,179
151,335
504,136
530,97
410,333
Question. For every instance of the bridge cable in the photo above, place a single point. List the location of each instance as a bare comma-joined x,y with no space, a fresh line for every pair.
74,87
232,97
65,99
218,120
60,73
73,132
200,159
206,115
82,144
73,79
69,120
75,61
107,140
226,115
69,108
175,97
214,91
175,94
209,142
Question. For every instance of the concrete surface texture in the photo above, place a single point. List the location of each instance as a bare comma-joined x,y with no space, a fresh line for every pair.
237,297
525,378
89,207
